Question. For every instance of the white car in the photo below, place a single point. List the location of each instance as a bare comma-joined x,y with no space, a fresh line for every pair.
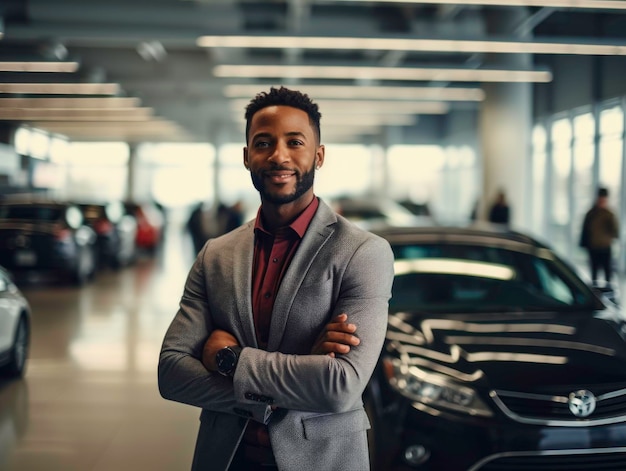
14,327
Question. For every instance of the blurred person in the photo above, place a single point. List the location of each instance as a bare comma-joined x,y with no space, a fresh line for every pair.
600,228
197,226
500,213
282,320
229,217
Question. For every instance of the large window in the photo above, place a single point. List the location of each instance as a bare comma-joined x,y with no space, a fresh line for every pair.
416,174
584,132
559,222
96,170
611,128
538,184
175,174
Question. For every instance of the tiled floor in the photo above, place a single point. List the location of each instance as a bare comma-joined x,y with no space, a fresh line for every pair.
89,401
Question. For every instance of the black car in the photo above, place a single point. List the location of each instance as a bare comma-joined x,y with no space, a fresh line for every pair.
46,238
497,357
116,232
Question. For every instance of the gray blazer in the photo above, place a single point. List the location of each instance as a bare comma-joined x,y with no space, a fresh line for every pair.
320,423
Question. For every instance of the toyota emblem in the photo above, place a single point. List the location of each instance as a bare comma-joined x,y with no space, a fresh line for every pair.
582,403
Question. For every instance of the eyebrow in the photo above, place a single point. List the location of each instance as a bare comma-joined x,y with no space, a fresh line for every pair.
289,134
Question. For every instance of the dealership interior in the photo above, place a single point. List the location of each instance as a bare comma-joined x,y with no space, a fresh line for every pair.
440,104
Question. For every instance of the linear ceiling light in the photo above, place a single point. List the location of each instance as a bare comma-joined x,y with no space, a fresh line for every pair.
371,107
374,92
93,129
30,66
60,88
594,4
425,44
334,120
382,73
101,102
78,114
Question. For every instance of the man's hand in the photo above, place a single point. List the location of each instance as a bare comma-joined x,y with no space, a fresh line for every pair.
337,337
216,341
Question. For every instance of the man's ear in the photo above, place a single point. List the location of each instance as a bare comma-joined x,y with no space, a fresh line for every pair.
245,158
319,156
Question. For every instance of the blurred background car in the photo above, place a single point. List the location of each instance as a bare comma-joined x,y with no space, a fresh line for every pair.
116,233
150,225
497,346
15,315
46,238
370,211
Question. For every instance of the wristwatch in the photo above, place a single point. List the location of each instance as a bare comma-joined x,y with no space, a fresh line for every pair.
226,359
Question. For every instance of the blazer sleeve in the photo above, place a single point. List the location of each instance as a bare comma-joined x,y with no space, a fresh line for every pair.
181,375
319,383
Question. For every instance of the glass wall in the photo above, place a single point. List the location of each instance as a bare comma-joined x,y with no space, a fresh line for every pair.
538,179
585,151
561,165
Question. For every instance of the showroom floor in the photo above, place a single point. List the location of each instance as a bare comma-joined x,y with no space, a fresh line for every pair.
89,401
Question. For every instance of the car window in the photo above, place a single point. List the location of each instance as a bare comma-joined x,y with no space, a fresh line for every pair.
551,284
453,278
31,212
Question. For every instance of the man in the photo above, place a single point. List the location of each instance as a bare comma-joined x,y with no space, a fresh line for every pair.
600,227
500,211
261,341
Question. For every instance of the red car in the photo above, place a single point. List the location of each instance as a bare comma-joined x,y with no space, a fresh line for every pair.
150,224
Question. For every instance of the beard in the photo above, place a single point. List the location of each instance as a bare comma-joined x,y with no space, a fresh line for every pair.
304,182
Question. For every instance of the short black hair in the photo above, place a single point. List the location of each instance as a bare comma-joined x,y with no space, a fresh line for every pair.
285,97
603,192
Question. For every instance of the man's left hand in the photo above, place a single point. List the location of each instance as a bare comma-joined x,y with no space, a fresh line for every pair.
337,337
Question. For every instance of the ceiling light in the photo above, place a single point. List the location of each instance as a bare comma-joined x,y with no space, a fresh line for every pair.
60,88
157,128
382,73
419,45
334,120
30,66
63,114
372,107
379,92
70,102
594,4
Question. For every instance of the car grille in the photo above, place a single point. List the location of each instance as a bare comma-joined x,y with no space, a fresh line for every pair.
569,460
553,409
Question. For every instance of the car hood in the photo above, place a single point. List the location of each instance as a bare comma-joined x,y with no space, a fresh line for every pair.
516,351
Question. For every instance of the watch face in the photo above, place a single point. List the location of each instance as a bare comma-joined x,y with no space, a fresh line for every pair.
226,359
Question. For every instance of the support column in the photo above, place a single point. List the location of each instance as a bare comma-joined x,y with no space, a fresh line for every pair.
505,128
131,177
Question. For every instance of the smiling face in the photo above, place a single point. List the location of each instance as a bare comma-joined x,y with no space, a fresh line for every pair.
282,155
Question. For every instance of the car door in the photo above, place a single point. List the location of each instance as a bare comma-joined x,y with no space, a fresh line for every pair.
7,315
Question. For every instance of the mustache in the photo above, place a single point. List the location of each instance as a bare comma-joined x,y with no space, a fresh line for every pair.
279,168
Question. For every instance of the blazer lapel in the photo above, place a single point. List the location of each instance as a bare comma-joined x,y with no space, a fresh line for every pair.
317,234
242,282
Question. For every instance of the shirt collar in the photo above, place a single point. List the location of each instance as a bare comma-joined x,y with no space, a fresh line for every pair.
298,225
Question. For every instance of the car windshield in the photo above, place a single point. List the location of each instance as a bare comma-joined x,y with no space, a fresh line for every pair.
467,278
32,212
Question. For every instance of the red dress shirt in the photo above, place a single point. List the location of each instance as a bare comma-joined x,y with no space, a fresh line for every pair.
273,251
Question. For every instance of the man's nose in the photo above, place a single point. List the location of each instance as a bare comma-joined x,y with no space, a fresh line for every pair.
280,154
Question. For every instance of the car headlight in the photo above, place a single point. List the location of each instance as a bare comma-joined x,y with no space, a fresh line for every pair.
433,389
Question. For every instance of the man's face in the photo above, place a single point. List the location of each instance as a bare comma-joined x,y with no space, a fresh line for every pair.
282,154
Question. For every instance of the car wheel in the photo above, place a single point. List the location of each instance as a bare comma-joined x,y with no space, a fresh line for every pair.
19,353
